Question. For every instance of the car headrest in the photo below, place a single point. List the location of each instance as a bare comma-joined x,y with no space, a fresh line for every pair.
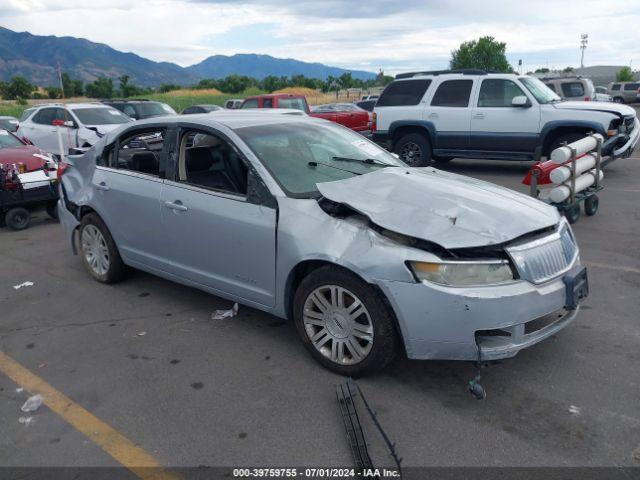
204,140
198,159
145,162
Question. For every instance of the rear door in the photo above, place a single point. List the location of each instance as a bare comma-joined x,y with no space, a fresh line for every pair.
128,183
496,125
221,236
450,113
401,100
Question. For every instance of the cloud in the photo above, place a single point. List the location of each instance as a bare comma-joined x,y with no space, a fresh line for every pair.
375,34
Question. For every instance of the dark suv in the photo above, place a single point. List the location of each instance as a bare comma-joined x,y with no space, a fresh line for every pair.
139,109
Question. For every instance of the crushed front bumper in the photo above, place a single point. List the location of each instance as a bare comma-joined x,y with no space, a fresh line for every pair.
438,322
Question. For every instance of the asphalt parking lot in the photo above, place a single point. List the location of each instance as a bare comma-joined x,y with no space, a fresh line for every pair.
145,358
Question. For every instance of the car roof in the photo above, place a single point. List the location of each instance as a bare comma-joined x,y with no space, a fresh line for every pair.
276,95
72,105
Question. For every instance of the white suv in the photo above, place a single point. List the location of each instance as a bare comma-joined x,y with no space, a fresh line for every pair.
82,123
436,116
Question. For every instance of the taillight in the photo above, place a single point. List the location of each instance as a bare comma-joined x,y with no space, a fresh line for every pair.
586,99
374,121
62,167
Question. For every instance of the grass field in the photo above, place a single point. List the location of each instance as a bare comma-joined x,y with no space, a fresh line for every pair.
181,99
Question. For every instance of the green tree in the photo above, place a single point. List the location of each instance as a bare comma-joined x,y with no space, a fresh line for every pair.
127,89
101,87
18,88
53,92
168,87
567,70
542,70
625,75
485,53
72,88
346,80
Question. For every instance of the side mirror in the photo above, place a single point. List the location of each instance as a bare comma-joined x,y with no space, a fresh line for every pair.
520,101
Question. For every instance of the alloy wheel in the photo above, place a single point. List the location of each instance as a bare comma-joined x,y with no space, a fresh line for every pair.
338,324
410,153
94,247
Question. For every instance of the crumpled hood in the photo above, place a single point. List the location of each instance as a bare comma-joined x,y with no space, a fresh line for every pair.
600,106
451,210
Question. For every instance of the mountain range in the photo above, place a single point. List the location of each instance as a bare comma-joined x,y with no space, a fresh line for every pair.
37,58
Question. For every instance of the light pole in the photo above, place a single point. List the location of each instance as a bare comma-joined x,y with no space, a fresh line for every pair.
584,39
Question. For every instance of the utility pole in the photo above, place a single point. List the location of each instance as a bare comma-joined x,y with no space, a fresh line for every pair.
584,39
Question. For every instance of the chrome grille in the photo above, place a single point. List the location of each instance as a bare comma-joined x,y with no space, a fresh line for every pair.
543,259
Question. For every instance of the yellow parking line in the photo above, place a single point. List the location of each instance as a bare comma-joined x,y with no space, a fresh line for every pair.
612,267
124,451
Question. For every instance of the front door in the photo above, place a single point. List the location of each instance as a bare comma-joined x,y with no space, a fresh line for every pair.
219,237
496,125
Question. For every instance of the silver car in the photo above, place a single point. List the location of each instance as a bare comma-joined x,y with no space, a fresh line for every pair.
307,220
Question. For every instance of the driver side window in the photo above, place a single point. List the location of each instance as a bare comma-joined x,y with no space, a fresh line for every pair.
498,92
208,161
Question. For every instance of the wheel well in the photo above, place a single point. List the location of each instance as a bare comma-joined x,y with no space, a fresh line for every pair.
84,211
399,132
553,135
301,270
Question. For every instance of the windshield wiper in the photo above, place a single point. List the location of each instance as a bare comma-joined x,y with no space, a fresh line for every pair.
315,164
366,161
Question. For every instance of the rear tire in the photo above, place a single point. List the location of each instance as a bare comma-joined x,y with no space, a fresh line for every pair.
414,149
344,322
18,218
99,253
618,100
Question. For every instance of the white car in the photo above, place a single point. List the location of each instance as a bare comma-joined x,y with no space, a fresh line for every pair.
82,124
437,116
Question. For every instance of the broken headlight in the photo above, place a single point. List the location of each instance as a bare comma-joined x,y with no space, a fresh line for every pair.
464,274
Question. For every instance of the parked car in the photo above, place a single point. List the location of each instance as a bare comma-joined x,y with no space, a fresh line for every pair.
347,114
233,103
602,95
625,92
140,109
571,87
367,105
82,123
277,100
9,124
310,221
201,109
435,116
369,97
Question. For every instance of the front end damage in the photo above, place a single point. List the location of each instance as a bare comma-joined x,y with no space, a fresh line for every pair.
467,322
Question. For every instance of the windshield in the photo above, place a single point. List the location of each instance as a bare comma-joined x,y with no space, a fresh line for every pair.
8,141
154,109
295,103
300,155
539,90
100,116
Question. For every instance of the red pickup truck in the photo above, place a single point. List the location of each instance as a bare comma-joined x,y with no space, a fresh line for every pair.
347,114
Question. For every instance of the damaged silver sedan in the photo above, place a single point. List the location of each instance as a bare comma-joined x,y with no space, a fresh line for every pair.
308,220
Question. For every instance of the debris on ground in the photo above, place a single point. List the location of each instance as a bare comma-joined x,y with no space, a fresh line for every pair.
32,403
222,314
19,390
24,284
26,421
141,334
42,365
575,410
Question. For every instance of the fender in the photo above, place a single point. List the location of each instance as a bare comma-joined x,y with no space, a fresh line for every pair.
424,124
555,124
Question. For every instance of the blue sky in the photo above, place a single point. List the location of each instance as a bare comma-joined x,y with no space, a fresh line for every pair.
393,35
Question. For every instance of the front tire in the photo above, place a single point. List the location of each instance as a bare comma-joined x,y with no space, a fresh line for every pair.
562,138
99,253
18,218
414,149
344,322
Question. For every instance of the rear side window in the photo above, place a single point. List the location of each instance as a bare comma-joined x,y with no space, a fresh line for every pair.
26,114
295,103
572,89
632,86
140,152
251,103
407,92
46,116
453,93
616,87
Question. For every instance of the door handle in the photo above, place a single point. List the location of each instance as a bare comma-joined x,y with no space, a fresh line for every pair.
479,116
433,115
177,205
103,186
